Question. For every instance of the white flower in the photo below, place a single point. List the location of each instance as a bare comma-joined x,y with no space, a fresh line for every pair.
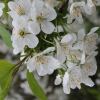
63,48
76,11
20,8
91,6
42,14
91,40
58,80
90,66
74,56
72,79
87,42
43,64
92,3
1,8
21,36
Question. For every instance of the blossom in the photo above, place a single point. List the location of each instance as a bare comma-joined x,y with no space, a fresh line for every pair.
87,42
41,15
92,3
1,8
63,48
22,37
91,6
76,10
19,8
90,66
43,64
72,79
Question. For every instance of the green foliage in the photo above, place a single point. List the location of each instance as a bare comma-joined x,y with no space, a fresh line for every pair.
5,36
5,77
36,89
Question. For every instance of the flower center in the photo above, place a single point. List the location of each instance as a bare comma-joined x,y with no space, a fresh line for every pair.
65,47
22,33
40,19
76,11
41,59
20,10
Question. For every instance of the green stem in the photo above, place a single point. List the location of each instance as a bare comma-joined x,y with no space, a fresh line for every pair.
6,9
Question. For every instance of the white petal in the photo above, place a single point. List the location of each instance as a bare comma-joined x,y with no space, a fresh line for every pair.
83,58
20,23
93,30
78,46
31,65
55,63
34,27
87,81
70,64
11,5
60,55
48,67
18,45
58,80
47,27
79,19
68,38
75,77
51,13
1,8
90,66
66,84
88,10
41,70
90,3
31,40
2,5
38,6
81,34
48,50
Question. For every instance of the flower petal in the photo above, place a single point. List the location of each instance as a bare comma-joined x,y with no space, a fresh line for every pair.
51,13
34,27
31,65
31,40
66,84
47,27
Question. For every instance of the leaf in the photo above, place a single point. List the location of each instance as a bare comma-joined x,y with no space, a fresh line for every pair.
5,67
5,77
36,89
5,85
5,36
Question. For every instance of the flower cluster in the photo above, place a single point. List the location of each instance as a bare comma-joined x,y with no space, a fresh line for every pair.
77,58
72,54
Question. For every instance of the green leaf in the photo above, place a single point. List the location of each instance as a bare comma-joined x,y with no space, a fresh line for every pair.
5,85
36,89
5,68
5,77
5,36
